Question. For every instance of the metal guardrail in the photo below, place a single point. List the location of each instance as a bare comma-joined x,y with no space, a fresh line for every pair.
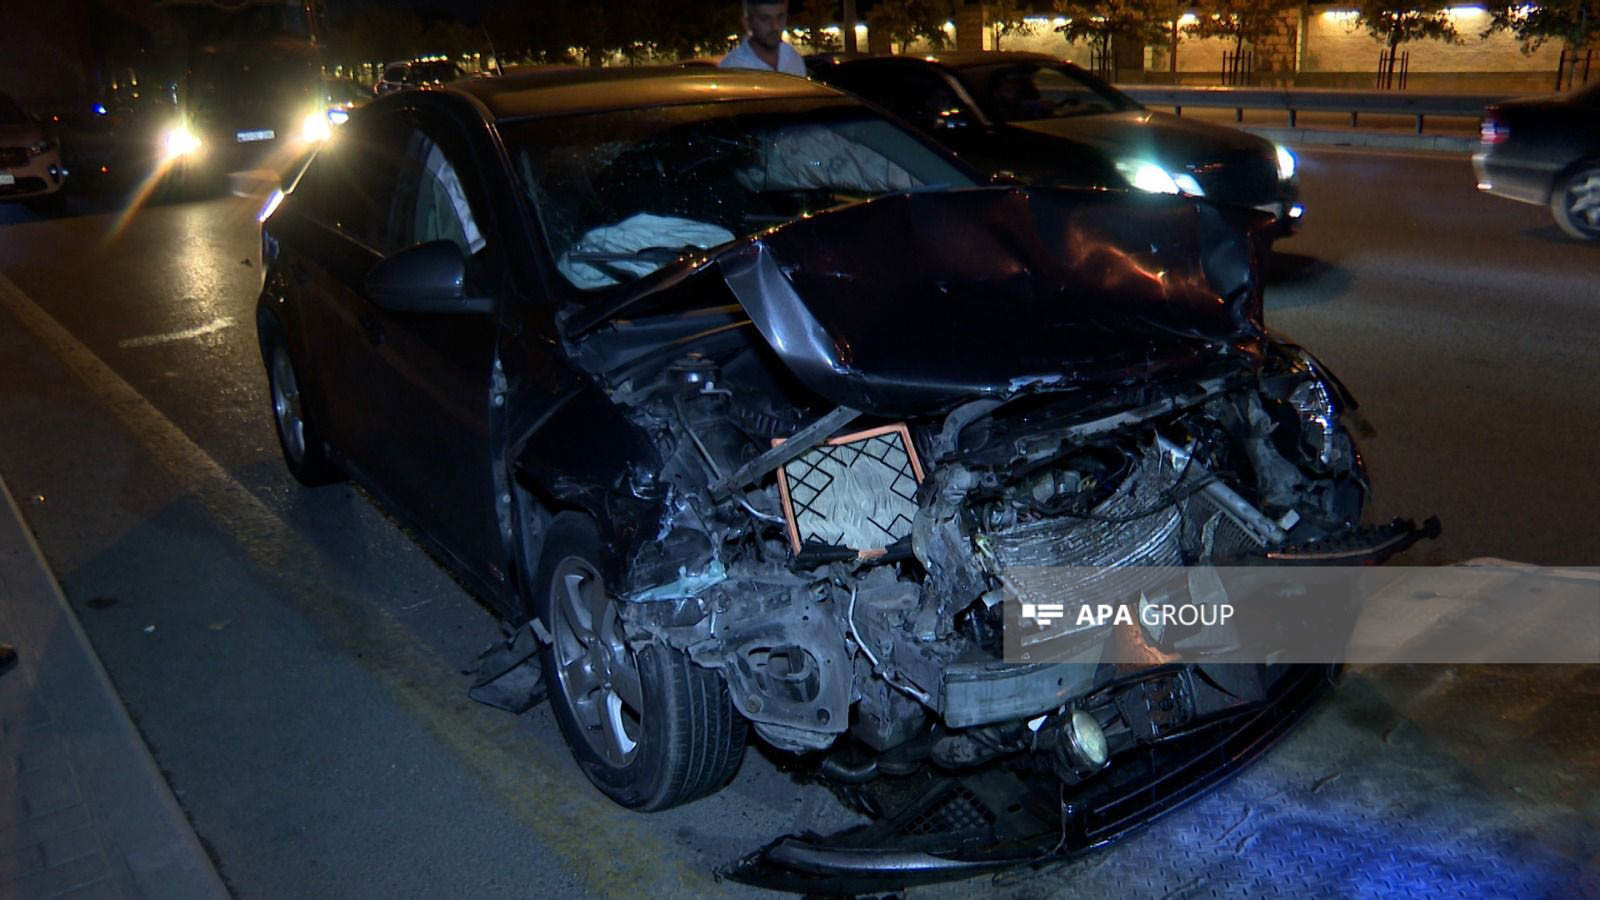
1295,100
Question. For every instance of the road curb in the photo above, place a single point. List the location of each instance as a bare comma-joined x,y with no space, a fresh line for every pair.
75,732
1371,139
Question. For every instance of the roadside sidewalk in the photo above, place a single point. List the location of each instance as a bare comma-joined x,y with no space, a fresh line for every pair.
84,810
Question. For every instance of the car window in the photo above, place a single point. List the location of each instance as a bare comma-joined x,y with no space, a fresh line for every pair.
351,185
435,204
435,72
1028,91
915,93
620,194
394,73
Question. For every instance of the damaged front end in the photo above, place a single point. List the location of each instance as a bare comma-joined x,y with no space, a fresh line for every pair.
859,454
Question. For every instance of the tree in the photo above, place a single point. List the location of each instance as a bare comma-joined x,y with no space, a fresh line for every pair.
811,24
1575,23
1008,18
1099,21
1398,22
1170,13
594,30
376,34
1240,21
904,21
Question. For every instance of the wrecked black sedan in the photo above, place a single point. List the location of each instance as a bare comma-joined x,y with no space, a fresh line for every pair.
737,401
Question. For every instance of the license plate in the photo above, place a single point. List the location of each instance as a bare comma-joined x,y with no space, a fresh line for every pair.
245,137
8,180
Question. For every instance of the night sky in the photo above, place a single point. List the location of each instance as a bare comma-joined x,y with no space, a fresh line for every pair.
462,10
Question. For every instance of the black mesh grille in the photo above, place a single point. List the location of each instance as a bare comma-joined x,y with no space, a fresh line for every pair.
958,810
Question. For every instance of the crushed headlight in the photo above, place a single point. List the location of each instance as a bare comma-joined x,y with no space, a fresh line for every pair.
1286,162
1147,176
178,141
1319,417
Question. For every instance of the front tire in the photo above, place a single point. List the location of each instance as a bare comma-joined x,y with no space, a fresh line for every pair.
298,438
649,728
1575,202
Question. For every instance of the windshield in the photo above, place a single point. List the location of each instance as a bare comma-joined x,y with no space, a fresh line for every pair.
1021,92
10,114
435,72
624,193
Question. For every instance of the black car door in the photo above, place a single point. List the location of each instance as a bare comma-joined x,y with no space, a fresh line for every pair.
341,215
420,383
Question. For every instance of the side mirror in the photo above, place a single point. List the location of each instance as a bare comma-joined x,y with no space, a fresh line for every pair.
426,278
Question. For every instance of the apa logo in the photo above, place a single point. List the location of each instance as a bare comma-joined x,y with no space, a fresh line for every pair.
1043,613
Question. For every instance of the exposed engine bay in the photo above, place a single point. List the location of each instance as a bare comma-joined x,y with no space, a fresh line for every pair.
902,624
838,511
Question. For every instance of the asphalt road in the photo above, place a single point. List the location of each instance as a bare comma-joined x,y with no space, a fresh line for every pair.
295,661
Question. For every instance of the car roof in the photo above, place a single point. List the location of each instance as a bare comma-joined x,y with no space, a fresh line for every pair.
566,90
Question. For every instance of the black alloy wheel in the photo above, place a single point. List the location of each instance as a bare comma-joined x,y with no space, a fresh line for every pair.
298,438
649,728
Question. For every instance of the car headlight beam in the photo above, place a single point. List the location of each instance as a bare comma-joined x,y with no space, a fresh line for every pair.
314,127
1147,176
178,141
1286,162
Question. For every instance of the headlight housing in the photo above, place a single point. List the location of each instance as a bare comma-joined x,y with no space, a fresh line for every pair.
39,148
1286,162
1150,176
1147,176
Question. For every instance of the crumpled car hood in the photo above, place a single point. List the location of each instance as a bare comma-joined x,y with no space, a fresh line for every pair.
913,302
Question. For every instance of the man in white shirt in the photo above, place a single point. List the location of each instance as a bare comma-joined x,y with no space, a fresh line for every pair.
763,46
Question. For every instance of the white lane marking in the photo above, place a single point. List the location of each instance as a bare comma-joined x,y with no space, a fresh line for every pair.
211,327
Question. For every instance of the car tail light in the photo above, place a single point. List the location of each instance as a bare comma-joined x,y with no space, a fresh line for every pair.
1495,130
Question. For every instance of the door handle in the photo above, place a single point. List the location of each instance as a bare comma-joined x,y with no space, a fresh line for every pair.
372,328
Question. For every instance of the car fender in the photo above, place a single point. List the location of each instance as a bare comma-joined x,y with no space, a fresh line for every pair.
582,454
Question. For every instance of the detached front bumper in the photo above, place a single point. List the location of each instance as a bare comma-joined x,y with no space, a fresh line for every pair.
935,827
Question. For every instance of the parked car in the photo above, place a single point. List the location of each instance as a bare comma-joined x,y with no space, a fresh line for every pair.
417,73
30,157
1546,150
732,395
1049,122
